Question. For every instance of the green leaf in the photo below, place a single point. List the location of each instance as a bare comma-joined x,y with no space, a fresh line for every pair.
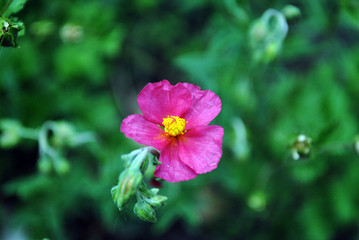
14,7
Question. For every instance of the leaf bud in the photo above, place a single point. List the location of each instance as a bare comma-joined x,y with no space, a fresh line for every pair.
64,134
156,200
145,211
44,164
128,183
257,201
61,166
291,12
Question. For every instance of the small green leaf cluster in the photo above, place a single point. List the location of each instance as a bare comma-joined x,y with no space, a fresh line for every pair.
10,27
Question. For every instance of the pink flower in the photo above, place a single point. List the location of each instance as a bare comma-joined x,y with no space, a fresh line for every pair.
175,121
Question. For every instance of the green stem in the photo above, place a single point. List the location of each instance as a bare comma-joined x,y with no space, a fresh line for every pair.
29,133
43,144
85,138
5,8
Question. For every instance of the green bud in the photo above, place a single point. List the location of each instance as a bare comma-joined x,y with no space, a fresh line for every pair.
9,133
128,183
291,12
157,200
9,32
151,197
267,34
301,147
61,166
271,51
64,134
257,201
154,191
44,165
145,211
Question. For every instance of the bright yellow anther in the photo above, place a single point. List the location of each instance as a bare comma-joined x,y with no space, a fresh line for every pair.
174,125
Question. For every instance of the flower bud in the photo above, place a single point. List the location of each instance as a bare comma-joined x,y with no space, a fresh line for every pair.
61,166
9,32
267,35
64,134
145,211
271,51
291,12
44,165
9,133
128,183
301,147
257,201
156,200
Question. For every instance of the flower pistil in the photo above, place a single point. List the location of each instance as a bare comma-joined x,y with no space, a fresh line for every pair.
174,125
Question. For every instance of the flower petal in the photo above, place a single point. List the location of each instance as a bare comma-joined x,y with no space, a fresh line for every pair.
144,132
206,105
201,148
171,168
158,100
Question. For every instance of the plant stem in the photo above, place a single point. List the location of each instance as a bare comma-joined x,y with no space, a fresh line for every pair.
29,133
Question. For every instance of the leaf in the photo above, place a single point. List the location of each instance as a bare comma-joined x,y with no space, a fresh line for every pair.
14,7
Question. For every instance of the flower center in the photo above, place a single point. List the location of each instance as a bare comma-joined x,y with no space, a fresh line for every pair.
174,125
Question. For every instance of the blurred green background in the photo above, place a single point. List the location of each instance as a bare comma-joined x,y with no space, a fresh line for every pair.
280,73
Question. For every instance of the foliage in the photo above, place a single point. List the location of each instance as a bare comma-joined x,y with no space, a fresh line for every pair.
84,62
11,28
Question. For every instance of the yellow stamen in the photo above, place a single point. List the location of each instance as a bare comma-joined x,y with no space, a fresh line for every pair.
174,126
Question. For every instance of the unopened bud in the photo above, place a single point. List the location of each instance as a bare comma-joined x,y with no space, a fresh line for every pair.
257,201
291,12
271,51
301,147
145,211
64,134
44,165
157,200
9,133
128,183
61,166
267,34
